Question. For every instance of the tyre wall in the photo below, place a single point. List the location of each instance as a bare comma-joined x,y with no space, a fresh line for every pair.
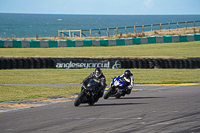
74,63
102,42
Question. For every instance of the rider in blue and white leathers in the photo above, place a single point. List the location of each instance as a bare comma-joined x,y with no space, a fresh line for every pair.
128,77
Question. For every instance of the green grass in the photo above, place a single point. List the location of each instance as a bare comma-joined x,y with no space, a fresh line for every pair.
180,50
15,93
75,76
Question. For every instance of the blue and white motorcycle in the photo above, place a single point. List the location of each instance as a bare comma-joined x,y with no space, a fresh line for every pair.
117,89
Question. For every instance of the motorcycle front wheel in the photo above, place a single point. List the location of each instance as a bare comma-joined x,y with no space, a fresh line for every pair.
78,99
108,93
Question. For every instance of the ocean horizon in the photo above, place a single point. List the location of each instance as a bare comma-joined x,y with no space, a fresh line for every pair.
20,25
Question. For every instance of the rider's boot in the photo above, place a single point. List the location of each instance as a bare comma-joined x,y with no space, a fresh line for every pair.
101,93
128,91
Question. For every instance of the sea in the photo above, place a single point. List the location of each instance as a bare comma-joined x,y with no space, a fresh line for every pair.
47,25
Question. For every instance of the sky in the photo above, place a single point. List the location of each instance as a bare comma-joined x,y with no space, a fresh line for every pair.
102,7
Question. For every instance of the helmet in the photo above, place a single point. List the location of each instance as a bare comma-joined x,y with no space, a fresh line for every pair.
127,73
97,72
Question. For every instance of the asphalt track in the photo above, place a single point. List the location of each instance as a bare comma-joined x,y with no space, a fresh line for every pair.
152,109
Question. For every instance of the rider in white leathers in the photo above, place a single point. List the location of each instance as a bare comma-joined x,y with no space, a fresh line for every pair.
128,77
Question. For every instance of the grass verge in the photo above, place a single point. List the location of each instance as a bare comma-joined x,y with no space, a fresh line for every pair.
162,50
16,93
75,76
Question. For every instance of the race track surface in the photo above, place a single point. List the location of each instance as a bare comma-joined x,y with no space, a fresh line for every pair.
154,108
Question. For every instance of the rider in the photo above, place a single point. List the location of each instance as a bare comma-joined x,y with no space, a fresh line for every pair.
98,77
128,77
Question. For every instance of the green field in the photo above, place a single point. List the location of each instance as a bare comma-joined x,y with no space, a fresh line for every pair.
75,76
16,93
164,50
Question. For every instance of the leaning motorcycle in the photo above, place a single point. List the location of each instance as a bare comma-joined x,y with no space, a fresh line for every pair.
88,94
117,88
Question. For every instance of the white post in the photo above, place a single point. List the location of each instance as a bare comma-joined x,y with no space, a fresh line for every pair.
107,31
58,33
177,25
142,28
62,33
160,26
134,29
69,33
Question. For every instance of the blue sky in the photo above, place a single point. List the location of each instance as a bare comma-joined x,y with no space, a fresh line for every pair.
107,7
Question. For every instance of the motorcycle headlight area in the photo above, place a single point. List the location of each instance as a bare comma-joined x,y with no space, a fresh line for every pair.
117,83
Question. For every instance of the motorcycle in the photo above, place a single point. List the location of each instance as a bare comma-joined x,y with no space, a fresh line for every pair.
117,88
88,94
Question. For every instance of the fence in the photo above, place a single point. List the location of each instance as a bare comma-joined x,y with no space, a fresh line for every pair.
71,33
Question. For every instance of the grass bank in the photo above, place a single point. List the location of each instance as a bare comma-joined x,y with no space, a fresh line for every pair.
16,93
162,50
75,76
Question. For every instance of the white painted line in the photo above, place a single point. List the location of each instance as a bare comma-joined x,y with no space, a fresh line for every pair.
78,118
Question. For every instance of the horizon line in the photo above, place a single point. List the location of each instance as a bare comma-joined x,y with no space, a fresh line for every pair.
90,14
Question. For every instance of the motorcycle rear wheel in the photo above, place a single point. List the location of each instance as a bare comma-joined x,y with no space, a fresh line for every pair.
118,96
91,103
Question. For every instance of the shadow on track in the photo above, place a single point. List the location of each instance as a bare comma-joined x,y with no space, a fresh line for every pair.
125,98
120,104
112,104
139,97
117,104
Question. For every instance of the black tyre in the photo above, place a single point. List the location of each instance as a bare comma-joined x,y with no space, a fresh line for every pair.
77,101
135,63
108,93
91,103
118,96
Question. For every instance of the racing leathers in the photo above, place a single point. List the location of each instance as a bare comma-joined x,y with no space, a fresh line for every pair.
101,80
130,82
